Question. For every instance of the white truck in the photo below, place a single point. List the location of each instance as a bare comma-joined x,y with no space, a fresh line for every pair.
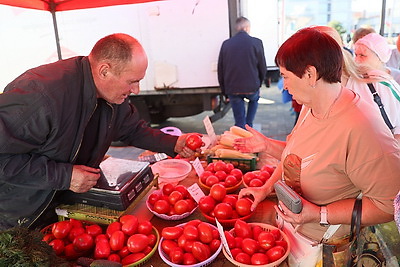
182,39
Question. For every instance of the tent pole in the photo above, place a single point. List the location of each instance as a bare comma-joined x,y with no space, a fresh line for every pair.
53,14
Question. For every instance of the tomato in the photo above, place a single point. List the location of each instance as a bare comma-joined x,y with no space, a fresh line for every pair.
188,246
75,232
219,166
238,241
70,252
182,189
83,242
117,240
210,167
205,232
194,141
132,258
191,232
230,181
145,227
229,167
259,259
152,239
230,199
218,192
275,253
256,182
230,239
112,227
276,233
94,230
176,255
75,223
264,176
249,246
137,242
189,259
221,175
61,229
200,251
172,232
242,229
114,257
195,222
174,197
167,245
161,206
58,246
235,251
243,258
256,229
48,238
237,173
153,197
223,211
266,240
205,175
207,204
101,236
243,207
269,168
248,176
147,250
129,225
167,189
212,180
124,252
214,245
191,204
281,243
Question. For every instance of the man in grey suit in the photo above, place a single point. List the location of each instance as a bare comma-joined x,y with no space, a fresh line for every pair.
241,71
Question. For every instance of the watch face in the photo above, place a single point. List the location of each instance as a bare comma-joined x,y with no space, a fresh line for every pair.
368,260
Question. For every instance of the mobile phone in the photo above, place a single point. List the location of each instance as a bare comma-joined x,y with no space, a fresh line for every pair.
290,198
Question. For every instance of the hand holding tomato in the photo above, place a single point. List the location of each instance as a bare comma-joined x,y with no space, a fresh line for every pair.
188,144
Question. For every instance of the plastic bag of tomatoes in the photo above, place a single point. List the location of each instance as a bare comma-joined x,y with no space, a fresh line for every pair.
127,241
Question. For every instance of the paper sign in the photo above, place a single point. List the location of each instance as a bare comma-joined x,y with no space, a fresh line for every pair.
210,131
198,167
223,238
196,192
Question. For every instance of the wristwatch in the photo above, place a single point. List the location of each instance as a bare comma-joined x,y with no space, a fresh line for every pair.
324,216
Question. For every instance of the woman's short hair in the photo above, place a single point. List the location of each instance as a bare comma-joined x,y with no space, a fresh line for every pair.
310,47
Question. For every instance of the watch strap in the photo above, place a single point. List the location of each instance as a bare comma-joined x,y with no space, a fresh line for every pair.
324,216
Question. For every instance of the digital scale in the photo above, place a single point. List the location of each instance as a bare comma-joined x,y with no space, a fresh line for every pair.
121,181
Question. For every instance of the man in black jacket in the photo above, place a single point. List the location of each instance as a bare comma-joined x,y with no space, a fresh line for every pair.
241,71
58,120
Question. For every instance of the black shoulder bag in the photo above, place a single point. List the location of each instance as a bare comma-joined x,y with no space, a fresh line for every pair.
355,232
378,101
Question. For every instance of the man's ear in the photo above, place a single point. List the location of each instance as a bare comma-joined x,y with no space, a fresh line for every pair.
103,70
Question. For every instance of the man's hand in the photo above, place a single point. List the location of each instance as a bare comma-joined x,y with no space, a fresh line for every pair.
182,149
83,178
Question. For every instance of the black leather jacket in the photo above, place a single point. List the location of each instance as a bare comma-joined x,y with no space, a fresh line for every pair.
43,115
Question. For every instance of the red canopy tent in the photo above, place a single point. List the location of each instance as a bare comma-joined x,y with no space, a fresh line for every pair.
63,5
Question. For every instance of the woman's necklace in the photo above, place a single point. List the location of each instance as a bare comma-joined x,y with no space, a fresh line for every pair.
328,112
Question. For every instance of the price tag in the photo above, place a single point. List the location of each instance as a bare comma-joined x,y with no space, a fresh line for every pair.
223,239
210,131
196,192
198,167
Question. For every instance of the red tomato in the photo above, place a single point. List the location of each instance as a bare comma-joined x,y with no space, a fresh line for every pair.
221,175
153,197
230,239
223,211
132,258
112,227
243,206
75,232
219,166
242,229
264,176
238,242
94,230
214,245
75,223
58,246
70,252
249,246
256,182
176,255
130,225
189,245
191,204
174,197
137,242
48,238
191,232
230,199
161,206
145,227
114,257
275,253
189,259
212,180
152,240
83,242
266,240
101,236
230,180
117,240
205,232
167,189
268,168
61,229
205,175
207,204
229,167
172,232
182,189
195,222
235,251
256,229
276,233
210,167
259,259
281,243
237,173
243,258
194,141
167,245
248,176
200,251
124,252
218,192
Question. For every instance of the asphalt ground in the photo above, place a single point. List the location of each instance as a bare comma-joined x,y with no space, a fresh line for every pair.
274,119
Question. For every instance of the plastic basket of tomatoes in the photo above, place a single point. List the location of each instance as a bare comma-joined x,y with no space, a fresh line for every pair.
194,244
243,164
219,172
128,241
261,245
227,208
172,202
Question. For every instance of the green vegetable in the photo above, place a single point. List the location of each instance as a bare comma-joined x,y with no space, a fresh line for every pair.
105,263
